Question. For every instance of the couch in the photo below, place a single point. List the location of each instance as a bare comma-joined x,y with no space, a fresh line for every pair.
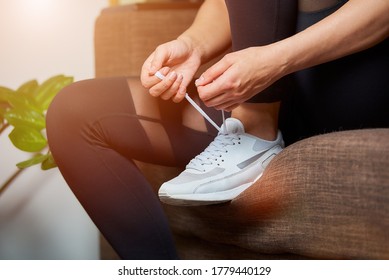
325,197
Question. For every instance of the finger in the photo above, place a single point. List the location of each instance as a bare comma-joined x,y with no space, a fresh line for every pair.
180,94
144,74
212,73
148,81
159,59
209,92
178,89
163,85
230,108
172,91
227,106
217,102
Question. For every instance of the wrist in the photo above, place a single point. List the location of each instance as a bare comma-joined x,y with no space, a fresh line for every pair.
280,58
290,56
193,45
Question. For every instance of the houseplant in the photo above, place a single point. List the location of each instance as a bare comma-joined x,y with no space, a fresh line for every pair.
24,110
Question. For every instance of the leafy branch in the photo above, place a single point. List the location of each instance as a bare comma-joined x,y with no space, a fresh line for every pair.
25,110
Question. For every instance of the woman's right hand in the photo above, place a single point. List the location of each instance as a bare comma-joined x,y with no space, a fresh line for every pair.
178,61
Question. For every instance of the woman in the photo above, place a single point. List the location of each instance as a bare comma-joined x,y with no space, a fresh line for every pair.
97,128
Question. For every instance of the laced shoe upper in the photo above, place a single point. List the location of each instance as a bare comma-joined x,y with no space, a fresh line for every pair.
229,135
234,159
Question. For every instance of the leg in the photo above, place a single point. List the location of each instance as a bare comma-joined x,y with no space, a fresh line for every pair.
236,158
349,93
256,23
260,119
95,130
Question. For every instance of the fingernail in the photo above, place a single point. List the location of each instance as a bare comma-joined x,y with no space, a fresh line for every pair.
199,80
172,75
182,91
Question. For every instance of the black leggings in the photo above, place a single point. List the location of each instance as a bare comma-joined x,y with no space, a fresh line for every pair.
262,22
351,92
95,132
97,128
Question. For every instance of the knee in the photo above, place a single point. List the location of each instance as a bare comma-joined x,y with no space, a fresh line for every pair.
67,112
68,104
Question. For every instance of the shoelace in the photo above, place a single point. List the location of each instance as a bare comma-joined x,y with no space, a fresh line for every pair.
197,107
213,153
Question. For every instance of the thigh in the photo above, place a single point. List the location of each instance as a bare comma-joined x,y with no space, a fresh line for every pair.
118,114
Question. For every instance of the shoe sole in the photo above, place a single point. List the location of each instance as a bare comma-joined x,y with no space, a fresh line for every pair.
204,198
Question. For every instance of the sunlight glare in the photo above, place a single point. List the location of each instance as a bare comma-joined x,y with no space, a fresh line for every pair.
37,7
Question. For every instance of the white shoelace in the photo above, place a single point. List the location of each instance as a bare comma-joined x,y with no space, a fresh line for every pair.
213,153
217,146
197,107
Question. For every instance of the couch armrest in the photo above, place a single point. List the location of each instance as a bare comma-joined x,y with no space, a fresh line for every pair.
126,35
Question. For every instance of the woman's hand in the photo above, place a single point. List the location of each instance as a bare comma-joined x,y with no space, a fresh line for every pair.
176,60
239,76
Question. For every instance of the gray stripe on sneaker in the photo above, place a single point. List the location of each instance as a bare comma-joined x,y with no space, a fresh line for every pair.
249,161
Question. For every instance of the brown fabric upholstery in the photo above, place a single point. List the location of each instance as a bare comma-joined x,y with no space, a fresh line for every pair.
126,35
324,197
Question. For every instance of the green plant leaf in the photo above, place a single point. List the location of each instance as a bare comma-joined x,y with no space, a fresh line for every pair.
28,88
5,94
25,110
3,109
49,162
27,139
5,90
27,117
45,93
46,86
21,102
37,159
25,95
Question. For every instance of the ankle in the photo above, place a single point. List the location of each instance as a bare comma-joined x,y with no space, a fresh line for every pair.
268,134
260,120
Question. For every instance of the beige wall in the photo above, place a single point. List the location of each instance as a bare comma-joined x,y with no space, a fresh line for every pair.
41,38
39,216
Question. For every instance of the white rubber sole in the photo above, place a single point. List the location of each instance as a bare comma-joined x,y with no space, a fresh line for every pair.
204,198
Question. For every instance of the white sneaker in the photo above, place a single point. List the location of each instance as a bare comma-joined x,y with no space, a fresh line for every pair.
227,167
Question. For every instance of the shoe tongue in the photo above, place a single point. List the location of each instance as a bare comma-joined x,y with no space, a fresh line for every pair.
232,126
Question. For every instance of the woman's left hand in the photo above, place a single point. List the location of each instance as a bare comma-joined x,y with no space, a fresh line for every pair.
240,75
